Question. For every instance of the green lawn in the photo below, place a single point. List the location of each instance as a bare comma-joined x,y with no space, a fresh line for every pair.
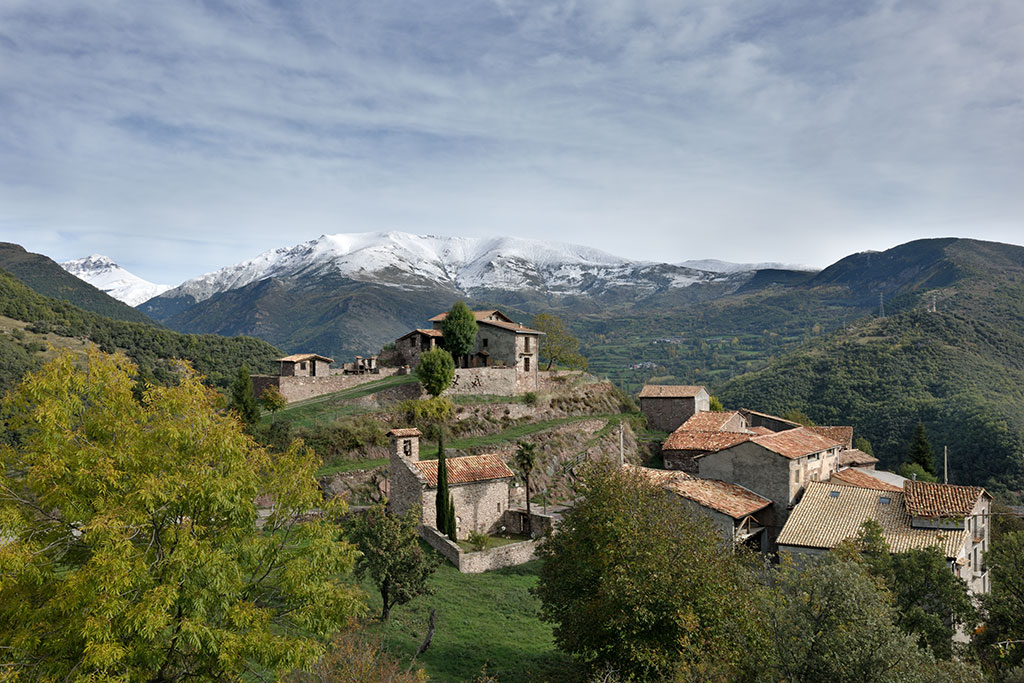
482,619
331,406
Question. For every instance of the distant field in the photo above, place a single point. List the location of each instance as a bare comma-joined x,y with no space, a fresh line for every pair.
325,409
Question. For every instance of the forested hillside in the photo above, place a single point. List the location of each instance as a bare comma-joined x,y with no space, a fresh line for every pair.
46,277
959,369
153,348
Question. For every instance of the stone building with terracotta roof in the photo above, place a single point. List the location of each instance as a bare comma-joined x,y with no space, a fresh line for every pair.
777,466
956,519
704,432
738,514
667,406
304,365
479,485
501,344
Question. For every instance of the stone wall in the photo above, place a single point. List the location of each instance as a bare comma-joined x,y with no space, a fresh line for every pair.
497,381
541,525
483,560
680,460
479,506
302,388
666,414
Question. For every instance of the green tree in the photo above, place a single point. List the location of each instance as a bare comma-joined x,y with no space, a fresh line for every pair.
436,371
714,405
798,416
243,397
392,556
525,459
444,506
131,550
558,345
912,470
831,621
272,399
636,581
920,451
931,602
1001,642
863,445
459,329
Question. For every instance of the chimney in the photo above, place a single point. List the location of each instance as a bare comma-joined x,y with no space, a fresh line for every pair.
405,443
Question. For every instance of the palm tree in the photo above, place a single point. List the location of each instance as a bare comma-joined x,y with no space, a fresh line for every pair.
525,459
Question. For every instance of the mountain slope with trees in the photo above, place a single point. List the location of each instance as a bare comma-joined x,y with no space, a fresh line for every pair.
153,348
957,365
46,277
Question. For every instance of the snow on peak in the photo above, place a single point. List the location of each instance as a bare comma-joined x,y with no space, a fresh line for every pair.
460,263
104,274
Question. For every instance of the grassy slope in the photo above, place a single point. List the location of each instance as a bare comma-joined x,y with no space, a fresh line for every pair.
482,619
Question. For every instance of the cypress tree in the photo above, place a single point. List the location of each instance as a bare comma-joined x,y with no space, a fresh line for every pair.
921,450
243,397
444,506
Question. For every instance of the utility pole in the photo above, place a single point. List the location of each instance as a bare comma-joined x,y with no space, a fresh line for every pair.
945,464
622,457
881,306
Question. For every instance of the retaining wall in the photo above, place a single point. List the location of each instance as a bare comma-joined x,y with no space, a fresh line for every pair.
302,388
483,560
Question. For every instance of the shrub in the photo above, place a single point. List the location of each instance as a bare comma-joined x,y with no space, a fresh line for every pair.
530,398
478,540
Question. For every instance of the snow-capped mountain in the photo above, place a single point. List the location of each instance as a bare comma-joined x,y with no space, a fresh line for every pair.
463,264
102,273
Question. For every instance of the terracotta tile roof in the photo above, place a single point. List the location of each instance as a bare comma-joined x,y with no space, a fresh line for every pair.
405,431
505,323
299,357
670,391
852,457
479,315
843,435
829,514
706,442
795,443
429,333
708,421
761,431
851,476
729,499
748,411
466,469
925,499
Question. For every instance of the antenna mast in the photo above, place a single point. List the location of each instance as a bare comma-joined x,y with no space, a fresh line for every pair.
945,464
881,305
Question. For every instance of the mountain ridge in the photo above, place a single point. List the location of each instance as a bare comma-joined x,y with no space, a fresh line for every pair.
107,276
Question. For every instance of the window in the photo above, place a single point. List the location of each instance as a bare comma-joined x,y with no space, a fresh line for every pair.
484,343
884,500
526,363
302,365
833,494
407,447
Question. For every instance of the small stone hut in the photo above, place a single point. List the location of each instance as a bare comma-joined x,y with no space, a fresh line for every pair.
667,406
479,485
304,365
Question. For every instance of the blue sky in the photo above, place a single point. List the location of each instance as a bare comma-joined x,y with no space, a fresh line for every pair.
179,137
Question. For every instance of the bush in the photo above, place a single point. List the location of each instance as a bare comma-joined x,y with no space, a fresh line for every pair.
478,540
337,441
530,398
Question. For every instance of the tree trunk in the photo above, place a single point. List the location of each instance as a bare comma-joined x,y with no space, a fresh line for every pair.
529,514
385,610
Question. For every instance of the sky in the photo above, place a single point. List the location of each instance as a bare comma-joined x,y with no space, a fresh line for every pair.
179,137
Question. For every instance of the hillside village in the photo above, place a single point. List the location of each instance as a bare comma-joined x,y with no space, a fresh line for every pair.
764,481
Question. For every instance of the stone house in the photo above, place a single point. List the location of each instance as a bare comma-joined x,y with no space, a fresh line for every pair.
304,365
777,466
852,457
921,515
500,342
705,432
479,485
738,514
668,406
412,344
772,423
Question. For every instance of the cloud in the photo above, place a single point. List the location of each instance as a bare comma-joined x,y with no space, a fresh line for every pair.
656,130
